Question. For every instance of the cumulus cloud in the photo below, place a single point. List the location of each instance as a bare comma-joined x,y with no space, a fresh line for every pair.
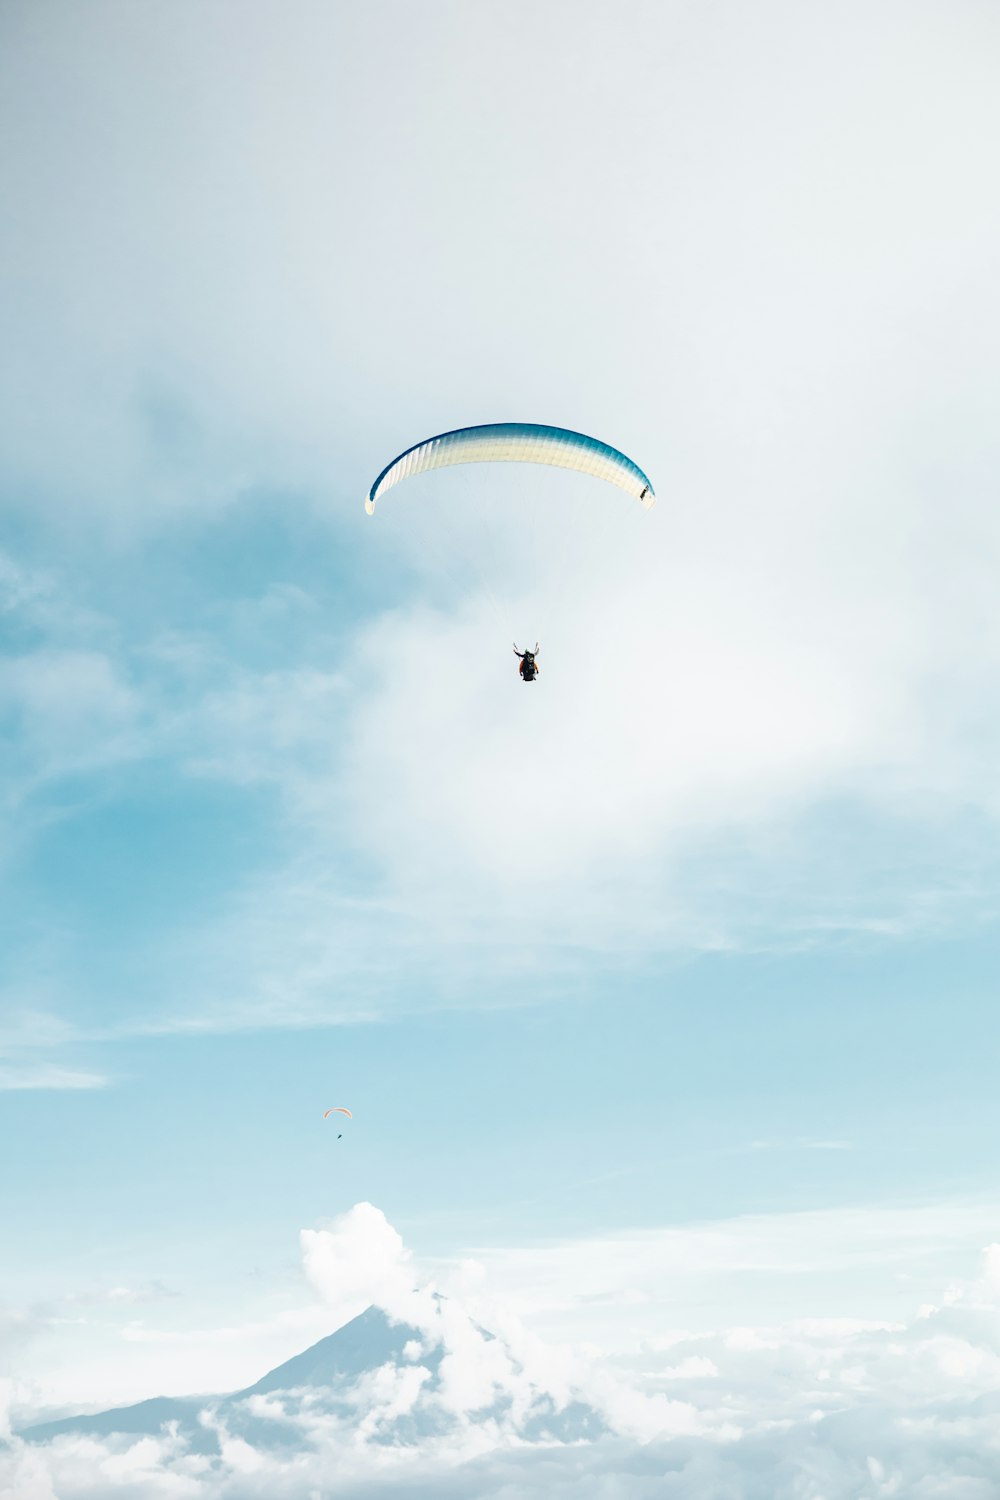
361,1259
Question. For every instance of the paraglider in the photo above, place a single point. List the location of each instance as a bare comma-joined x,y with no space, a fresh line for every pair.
527,666
337,1109
517,442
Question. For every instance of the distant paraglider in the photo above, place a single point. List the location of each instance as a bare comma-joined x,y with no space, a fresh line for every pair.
337,1109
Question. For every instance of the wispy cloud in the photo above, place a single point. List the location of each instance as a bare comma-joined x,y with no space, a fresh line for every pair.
28,1039
797,1143
35,1075
150,1291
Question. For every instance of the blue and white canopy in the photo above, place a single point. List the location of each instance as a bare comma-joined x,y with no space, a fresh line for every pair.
516,442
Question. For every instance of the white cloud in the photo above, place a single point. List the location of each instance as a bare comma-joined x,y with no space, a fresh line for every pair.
873,1261
816,1407
689,704
34,1075
799,1143
358,1260
28,1037
693,1367
72,707
151,1291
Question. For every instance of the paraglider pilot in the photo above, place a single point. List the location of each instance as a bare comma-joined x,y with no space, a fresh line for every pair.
527,666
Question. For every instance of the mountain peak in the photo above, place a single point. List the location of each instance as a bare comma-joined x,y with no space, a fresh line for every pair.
365,1343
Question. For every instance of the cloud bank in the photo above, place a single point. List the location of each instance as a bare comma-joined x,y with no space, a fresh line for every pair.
808,1409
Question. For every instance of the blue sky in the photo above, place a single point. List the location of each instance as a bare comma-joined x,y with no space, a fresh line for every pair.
702,928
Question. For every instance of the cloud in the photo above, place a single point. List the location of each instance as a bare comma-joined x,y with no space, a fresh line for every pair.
694,715
799,1143
361,1259
623,1289
150,1291
693,1367
815,1407
71,709
34,1075
27,1040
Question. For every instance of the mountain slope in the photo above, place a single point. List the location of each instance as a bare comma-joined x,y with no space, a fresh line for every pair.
145,1418
366,1343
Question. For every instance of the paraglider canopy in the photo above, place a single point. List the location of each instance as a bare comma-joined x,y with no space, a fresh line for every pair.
338,1109
516,442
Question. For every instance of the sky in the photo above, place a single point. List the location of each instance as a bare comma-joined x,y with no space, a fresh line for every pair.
692,944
